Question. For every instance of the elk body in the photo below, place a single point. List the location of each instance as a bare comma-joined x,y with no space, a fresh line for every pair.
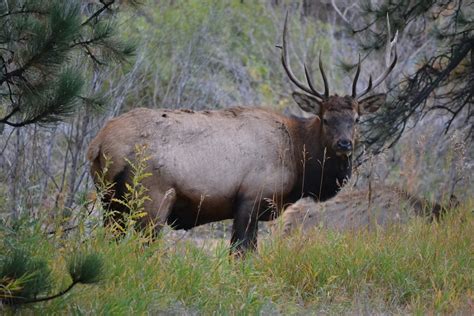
358,209
239,163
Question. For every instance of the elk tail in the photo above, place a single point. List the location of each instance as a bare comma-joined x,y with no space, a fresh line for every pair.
93,155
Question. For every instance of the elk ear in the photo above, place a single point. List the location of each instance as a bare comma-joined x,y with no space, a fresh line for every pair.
372,103
307,103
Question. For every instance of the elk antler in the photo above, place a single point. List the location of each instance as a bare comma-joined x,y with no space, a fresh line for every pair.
286,65
391,45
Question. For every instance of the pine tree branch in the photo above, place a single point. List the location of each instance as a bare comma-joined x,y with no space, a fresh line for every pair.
92,56
19,71
10,92
455,114
47,298
87,42
32,120
5,119
415,92
15,73
46,54
99,12
455,61
20,124
22,12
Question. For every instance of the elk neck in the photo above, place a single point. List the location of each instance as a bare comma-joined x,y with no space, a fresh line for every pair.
321,173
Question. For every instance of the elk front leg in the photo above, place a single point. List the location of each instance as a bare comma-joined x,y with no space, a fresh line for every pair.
245,227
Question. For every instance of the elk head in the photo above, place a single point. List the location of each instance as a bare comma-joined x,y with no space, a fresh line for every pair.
338,115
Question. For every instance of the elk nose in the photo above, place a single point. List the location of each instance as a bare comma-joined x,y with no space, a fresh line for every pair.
344,144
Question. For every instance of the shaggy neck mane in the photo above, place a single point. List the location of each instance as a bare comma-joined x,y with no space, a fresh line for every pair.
322,171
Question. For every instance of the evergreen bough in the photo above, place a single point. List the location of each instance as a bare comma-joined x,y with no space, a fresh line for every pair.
442,82
26,279
42,42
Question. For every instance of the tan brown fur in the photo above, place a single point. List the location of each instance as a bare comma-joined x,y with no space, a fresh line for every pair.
356,209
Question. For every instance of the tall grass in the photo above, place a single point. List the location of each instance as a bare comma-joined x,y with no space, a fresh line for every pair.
411,268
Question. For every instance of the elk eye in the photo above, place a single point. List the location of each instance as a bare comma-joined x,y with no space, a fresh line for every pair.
325,122
357,120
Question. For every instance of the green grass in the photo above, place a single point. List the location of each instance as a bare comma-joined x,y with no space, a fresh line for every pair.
419,268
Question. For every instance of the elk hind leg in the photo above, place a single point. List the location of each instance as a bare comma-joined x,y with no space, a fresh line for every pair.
157,210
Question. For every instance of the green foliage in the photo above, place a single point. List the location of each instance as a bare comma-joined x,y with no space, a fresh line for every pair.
417,267
40,44
209,54
27,264
55,100
86,268
22,277
136,193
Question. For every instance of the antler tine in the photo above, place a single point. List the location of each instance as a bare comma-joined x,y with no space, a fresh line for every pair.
325,80
289,72
382,77
356,78
391,45
310,82
369,87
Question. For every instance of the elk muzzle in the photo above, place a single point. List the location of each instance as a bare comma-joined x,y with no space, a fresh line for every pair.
343,147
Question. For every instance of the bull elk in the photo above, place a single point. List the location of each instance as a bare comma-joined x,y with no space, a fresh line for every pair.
237,163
